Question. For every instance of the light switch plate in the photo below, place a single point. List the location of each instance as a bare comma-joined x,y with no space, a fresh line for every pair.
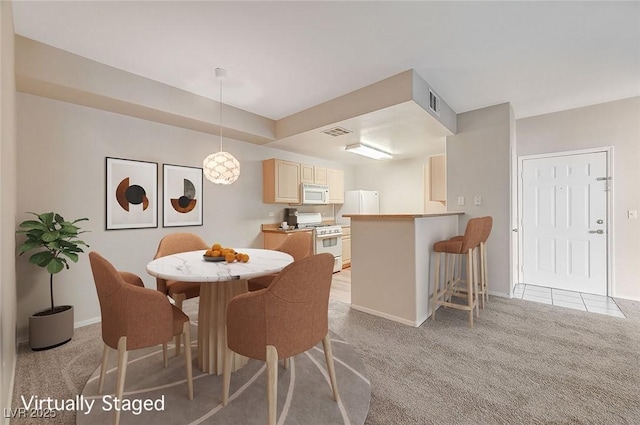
477,200
460,200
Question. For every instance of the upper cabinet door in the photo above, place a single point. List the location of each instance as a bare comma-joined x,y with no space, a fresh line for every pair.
320,175
336,186
306,173
280,182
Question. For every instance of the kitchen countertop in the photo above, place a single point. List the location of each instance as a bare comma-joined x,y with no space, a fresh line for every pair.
399,216
275,228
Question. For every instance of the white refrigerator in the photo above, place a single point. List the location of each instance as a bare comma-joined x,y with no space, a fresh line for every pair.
359,202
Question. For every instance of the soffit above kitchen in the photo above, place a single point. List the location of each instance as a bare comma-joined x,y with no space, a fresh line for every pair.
400,115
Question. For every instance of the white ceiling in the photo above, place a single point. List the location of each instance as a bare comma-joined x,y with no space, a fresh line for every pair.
284,57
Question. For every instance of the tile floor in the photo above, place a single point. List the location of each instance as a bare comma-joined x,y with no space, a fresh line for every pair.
561,298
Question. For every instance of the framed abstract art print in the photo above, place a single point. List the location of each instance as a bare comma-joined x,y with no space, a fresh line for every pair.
132,194
182,196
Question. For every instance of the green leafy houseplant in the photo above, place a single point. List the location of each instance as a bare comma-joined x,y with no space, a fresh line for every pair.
58,237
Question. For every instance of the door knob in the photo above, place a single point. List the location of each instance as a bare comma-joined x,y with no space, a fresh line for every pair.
600,221
599,231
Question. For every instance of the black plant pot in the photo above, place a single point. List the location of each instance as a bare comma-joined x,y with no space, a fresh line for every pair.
51,329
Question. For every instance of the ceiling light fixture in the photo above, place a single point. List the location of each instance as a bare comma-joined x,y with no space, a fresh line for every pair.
367,151
221,167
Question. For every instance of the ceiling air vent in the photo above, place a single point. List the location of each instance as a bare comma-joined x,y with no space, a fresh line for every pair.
434,103
336,131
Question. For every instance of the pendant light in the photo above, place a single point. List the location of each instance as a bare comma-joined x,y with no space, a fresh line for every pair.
221,167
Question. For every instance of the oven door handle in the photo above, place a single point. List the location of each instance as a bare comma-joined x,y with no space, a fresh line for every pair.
332,235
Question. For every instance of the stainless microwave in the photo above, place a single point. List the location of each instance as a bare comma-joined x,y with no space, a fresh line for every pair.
314,194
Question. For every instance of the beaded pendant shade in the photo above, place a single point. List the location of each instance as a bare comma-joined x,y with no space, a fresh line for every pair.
221,167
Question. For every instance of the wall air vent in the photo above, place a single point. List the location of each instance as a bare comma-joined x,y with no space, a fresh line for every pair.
434,103
336,131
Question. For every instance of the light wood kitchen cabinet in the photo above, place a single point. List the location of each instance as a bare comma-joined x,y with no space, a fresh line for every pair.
280,182
336,186
346,246
306,173
312,174
320,175
438,174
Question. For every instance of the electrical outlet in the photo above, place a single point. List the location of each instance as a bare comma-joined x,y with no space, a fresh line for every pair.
632,214
477,200
460,200
272,214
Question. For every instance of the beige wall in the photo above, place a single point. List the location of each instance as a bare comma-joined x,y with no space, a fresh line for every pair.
615,124
401,183
7,206
61,166
478,163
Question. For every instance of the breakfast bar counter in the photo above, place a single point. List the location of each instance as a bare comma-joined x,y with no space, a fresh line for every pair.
391,261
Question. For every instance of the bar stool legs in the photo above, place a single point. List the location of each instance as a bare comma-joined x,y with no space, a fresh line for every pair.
444,291
476,232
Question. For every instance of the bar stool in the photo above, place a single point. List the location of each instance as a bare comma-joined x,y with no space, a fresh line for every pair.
459,247
483,273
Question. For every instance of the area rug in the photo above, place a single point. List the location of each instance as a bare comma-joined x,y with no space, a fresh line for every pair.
159,396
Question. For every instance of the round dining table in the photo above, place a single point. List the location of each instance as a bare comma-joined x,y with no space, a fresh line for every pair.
220,281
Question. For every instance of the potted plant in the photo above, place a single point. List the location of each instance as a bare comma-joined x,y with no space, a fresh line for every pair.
59,239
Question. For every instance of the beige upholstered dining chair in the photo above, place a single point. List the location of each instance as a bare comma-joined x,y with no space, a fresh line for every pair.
297,245
134,317
175,243
285,319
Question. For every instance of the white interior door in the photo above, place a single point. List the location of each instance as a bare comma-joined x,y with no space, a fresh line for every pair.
564,222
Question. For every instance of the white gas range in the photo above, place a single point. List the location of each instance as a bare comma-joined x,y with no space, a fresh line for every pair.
326,237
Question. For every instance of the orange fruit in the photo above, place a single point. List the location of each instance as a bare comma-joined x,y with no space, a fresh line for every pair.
215,253
245,258
209,253
238,256
230,258
216,247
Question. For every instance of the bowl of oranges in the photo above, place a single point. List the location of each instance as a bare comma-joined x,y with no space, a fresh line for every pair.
219,253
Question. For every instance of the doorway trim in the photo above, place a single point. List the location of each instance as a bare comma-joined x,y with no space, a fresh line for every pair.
518,256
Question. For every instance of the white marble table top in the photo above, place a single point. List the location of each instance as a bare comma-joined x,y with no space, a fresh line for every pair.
191,267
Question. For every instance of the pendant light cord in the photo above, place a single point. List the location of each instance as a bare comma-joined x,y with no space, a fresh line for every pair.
220,80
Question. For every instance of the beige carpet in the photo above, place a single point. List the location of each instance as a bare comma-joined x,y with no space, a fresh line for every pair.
523,363
304,393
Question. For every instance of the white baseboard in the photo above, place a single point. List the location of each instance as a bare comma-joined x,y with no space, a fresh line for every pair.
87,322
386,316
499,294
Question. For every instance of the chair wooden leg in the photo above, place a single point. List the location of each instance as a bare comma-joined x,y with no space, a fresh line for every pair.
178,298
272,383
285,363
226,375
187,357
122,372
436,287
470,285
164,355
328,356
485,274
476,274
103,367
